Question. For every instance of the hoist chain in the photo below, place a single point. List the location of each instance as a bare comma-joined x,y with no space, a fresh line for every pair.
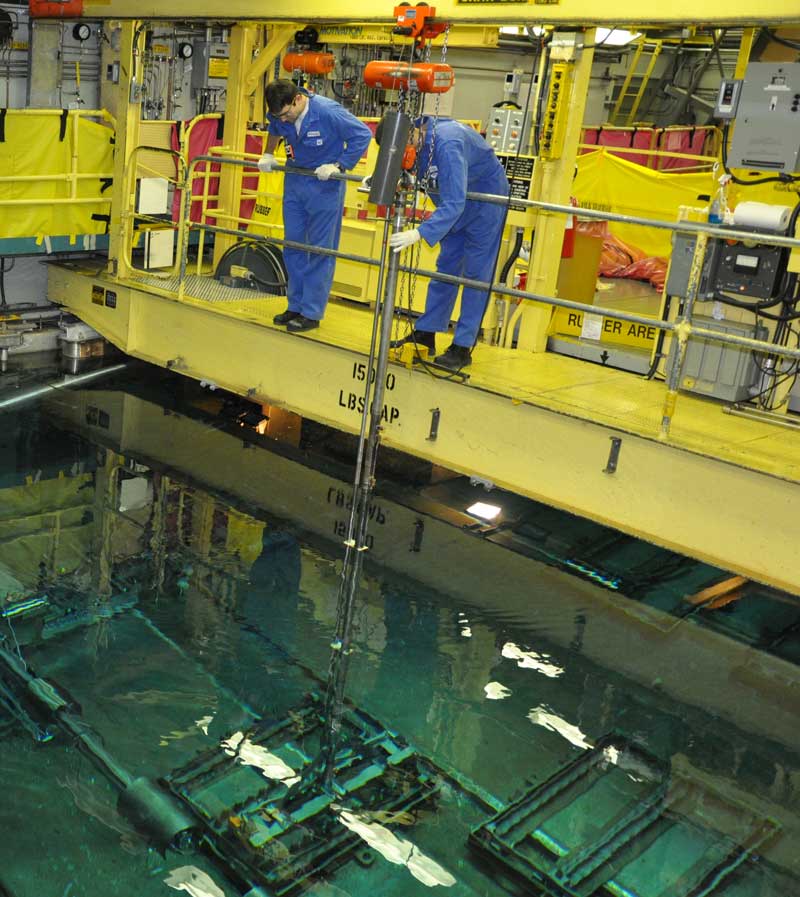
420,186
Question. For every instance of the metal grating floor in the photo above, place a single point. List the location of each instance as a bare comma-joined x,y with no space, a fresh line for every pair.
202,287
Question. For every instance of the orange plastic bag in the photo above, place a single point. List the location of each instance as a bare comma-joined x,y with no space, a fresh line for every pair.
620,259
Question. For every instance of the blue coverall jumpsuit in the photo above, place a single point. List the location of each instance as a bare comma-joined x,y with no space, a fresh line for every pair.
469,232
312,209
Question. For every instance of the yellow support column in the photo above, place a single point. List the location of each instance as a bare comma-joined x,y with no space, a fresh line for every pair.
745,48
248,65
126,139
555,171
237,109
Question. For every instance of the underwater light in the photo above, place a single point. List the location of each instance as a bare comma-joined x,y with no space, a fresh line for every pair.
483,510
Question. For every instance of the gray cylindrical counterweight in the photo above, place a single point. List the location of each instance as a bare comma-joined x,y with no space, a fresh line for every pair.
156,814
392,136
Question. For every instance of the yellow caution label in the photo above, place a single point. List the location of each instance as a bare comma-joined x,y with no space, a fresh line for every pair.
600,329
217,67
368,34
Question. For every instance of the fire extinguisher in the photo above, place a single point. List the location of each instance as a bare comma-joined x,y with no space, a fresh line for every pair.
568,246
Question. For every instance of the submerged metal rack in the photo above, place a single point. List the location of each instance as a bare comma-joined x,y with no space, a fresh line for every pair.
618,823
280,830
31,620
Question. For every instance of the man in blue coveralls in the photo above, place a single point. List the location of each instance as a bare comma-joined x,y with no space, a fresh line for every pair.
325,137
456,159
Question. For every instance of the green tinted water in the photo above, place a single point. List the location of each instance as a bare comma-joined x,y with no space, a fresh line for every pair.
190,572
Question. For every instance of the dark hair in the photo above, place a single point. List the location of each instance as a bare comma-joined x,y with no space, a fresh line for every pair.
278,94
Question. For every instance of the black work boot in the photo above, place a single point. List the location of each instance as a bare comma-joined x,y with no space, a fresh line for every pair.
285,316
454,358
418,338
300,323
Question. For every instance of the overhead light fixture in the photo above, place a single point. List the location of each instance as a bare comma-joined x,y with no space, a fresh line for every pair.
615,37
523,30
483,510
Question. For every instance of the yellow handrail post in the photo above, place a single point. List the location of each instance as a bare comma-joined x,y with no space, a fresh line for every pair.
244,74
127,137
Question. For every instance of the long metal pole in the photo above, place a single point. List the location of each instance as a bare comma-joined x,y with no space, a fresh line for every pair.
501,289
700,332
681,227
373,345
683,331
689,227
359,519
37,391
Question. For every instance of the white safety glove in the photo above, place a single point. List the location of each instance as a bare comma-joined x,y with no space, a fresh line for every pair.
404,238
267,162
323,172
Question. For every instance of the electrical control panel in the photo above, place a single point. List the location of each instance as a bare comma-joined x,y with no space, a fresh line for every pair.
210,65
739,269
507,129
728,99
766,136
680,265
753,271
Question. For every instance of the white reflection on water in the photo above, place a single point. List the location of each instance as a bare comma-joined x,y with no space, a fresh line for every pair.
250,754
496,691
531,660
203,723
194,881
541,716
397,850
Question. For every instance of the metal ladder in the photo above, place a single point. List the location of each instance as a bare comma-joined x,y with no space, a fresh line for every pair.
651,50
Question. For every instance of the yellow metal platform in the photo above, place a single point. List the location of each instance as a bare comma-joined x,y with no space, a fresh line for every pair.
720,488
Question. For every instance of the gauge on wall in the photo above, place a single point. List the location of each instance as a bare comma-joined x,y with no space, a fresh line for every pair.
82,31
185,51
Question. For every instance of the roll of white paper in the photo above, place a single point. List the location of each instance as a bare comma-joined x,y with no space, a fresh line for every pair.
762,216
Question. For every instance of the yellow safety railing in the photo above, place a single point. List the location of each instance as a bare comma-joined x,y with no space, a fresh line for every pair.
654,152
206,197
682,329
135,223
704,163
52,192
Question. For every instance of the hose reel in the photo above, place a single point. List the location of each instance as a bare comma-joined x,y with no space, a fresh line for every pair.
253,266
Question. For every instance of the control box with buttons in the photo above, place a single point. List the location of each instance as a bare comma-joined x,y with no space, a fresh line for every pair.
767,130
507,129
556,111
752,271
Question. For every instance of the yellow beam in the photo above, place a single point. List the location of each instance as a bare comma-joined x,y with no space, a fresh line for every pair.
278,39
745,48
553,178
248,65
722,512
572,12
237,114
464,36
126,139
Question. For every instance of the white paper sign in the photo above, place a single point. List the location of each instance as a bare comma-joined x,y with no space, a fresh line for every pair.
592,326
